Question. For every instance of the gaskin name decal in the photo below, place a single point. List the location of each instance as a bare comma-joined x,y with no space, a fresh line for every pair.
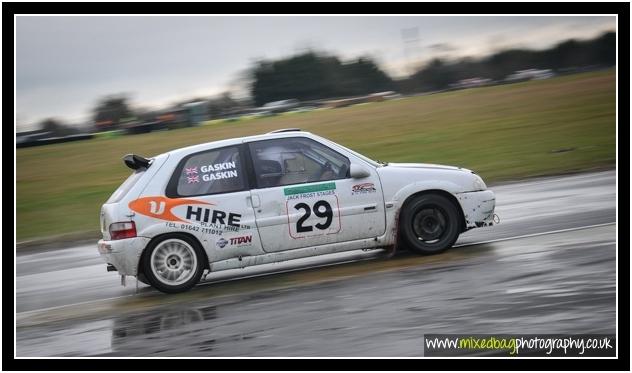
211,172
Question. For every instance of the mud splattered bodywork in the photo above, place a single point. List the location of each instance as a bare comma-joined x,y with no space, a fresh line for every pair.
123,254
272,198
478,208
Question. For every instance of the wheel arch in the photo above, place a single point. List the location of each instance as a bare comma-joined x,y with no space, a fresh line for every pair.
162,236
451,197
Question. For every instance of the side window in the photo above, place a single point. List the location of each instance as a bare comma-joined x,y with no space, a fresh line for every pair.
126,186
295,160
210,172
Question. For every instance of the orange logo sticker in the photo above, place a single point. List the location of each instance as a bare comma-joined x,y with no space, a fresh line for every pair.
160,207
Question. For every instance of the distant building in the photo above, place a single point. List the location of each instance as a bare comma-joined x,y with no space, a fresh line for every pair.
278,106
26,136
104,125
530,74
196,112
470,83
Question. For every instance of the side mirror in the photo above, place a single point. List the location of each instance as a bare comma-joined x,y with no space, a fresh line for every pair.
357,171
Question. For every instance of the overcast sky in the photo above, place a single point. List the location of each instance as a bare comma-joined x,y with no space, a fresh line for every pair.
65,64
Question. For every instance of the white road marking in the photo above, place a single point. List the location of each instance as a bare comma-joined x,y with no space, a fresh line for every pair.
536,234
26,313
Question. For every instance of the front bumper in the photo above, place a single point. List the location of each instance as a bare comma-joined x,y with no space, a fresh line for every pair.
123,254
478,208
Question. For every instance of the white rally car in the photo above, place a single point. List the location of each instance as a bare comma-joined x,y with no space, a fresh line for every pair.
280,196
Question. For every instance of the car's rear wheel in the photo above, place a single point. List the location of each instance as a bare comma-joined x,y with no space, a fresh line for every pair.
173,264
429,224
142,278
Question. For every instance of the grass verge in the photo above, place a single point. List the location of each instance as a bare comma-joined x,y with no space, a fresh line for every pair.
560,125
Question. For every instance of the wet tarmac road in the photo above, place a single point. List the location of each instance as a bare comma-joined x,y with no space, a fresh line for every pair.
549,268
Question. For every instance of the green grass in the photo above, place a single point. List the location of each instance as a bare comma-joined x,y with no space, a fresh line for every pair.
503,132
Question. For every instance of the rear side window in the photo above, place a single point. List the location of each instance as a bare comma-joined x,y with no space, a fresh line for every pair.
210,172
126,186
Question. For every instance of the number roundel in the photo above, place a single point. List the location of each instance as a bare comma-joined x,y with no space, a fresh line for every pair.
327,213
322,209
300,228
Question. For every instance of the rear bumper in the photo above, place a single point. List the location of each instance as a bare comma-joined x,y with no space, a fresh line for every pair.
123,254
478,208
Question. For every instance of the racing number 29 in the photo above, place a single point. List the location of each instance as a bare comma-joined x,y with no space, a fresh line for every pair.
318,211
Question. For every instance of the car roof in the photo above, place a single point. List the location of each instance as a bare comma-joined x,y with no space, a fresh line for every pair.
237,140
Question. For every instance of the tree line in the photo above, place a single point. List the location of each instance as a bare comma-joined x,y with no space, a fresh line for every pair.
312,76
315,76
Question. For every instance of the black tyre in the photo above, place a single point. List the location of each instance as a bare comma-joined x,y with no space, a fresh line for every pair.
429,224
173,264
142,278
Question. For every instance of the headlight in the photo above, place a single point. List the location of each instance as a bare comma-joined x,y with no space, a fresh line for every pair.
479,184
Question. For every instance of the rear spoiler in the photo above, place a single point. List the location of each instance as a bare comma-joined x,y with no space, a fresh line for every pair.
135,162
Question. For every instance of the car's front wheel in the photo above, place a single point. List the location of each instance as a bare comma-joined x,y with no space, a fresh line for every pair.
173,264
429,224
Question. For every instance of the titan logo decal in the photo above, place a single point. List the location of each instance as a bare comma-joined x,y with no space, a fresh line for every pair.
160,207
241,240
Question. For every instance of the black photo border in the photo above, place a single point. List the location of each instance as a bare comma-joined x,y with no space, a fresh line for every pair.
9,362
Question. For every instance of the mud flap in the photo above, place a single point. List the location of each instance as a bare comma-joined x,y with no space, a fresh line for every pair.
391,250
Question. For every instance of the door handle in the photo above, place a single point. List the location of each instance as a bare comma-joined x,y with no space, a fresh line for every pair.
255,201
